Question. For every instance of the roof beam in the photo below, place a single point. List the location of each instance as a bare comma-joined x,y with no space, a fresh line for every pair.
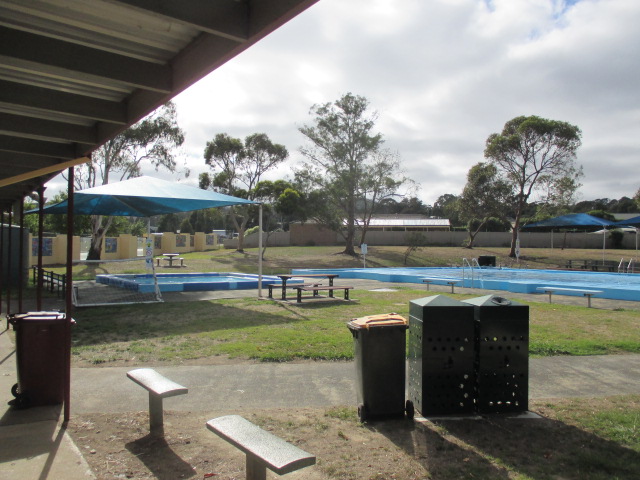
13,93
28,52
48,130
38,147
43,171
223,18
25,161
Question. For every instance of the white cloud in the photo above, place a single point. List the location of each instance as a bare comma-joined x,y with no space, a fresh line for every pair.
442,75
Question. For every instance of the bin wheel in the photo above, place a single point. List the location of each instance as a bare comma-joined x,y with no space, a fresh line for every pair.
362,413
15,391
409,409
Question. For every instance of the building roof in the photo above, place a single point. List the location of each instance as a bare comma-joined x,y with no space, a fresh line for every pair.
406,221
73,73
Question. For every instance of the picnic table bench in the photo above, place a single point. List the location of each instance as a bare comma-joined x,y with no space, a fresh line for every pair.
159,387
262,449
285,277
441,280
318,288
585,293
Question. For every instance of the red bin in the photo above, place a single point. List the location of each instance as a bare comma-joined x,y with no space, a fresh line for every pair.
41,352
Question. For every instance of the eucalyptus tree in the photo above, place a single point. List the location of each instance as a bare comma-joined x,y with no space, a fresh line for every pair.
238,168
151,142
343,163
533,153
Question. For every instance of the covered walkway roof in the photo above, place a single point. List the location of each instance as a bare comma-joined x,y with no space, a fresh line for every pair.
74,74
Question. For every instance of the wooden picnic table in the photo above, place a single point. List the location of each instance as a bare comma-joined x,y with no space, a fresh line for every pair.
285,277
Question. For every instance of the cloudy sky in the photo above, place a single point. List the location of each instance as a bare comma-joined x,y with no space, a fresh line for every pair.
442,75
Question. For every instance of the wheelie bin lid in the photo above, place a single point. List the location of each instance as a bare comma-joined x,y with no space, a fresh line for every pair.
380,320
37,317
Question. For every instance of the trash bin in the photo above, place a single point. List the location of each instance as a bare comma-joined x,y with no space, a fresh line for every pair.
380,357
41,350
487,260
442,377
503,354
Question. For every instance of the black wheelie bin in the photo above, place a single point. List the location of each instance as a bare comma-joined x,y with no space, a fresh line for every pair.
41,351
380,358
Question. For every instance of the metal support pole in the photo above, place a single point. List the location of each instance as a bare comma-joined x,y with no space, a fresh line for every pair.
21,258
68,298
39,284
260,251
2,260
9,255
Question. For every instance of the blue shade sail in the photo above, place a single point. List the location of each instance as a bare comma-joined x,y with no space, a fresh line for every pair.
143,197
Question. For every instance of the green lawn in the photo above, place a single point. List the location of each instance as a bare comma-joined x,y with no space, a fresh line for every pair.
264,330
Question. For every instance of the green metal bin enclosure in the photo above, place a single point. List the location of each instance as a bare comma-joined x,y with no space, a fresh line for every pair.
503,354
442,374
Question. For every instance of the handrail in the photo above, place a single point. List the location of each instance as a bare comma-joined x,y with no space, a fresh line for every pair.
621,266
465,261
631,266
56,281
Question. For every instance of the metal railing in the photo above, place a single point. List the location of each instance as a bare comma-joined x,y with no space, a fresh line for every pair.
53,282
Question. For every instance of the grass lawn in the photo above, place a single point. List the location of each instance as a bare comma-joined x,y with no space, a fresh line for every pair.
283,259
263,330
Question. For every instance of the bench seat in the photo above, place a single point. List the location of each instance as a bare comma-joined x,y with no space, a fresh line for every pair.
319,288
159,387
583,292
441,280
262,449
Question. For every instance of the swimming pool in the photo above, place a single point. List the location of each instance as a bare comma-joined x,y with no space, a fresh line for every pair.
620,286
186,282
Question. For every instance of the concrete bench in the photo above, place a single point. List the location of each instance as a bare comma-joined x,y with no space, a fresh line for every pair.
262,449
319,288
441,280
159,387
585,293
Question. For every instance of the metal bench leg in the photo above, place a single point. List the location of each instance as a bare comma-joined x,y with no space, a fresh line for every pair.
550,297
346,294
299,295
256,470
588,295
452,287
156,420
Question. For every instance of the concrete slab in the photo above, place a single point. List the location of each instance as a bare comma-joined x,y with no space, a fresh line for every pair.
41,450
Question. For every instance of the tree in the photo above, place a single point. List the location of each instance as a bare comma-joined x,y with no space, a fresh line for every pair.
636,197
532,152
238,168
446,206
153,141
344,163
484,196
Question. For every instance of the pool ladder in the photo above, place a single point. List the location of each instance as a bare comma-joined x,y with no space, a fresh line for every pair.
629,268
470,266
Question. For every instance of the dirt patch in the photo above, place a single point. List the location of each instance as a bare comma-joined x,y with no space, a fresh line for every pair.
119,446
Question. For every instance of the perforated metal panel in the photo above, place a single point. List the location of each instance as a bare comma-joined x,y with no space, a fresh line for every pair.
503,354
441,356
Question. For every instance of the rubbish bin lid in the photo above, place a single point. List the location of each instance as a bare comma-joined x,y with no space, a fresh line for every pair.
380,320
37,317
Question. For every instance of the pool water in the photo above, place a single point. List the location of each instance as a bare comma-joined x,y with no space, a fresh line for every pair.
186,282
620,286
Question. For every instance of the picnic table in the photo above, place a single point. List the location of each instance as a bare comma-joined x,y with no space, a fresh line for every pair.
284,278
170,257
